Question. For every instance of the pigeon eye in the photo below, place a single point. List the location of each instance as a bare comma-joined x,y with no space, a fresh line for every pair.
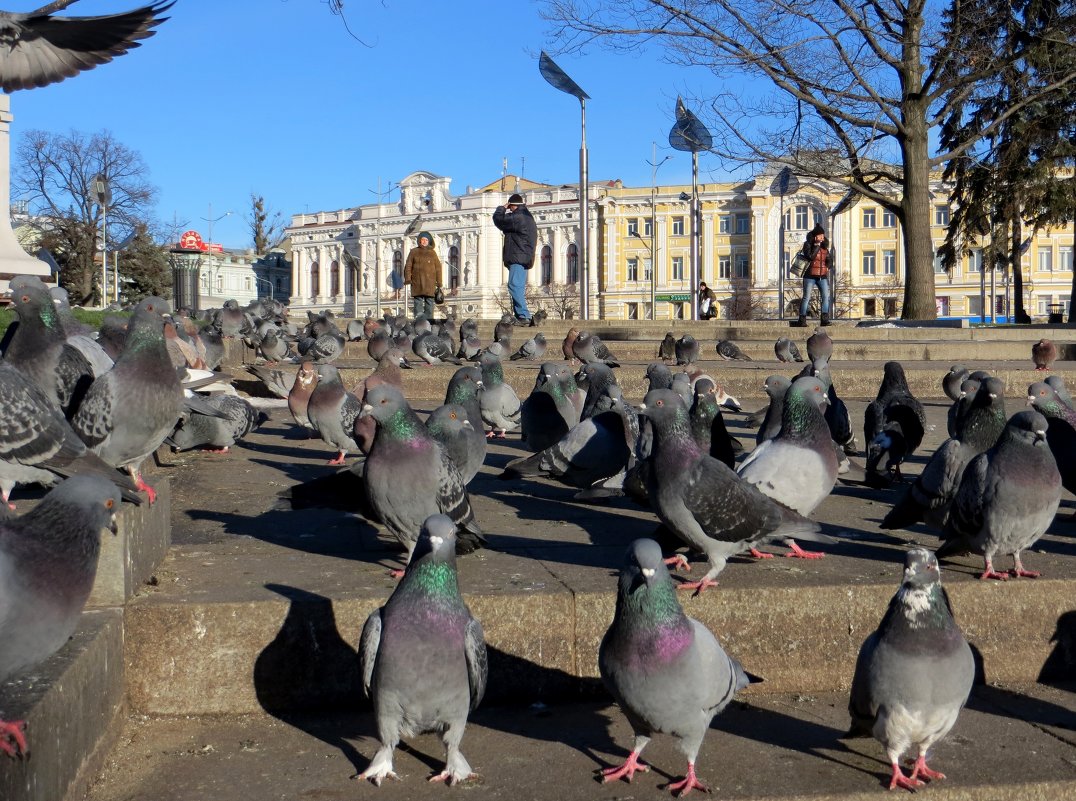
383,401
109,503
25,298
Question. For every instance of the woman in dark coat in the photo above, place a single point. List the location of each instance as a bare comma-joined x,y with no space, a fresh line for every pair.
423,272
820,257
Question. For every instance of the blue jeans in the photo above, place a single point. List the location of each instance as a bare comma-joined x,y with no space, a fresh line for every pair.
823,290
517,285
423,304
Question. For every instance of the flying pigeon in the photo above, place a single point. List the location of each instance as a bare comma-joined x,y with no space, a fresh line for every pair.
410,477
730,351
913,674
465,445
667,348
786,351
48,558
332,411
1007,497
687,350
589,349
702,501
666,671
498,401
532,350
423,656
1043,354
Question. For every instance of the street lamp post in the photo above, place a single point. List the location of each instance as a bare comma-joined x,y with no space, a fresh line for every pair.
266,281
654,164
102,193
209,245
784,184
559,79
689,134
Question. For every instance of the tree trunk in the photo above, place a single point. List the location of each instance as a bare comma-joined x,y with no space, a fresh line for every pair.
916,207
1015,259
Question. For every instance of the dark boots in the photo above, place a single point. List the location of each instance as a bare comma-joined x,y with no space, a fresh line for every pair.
825,319
801,322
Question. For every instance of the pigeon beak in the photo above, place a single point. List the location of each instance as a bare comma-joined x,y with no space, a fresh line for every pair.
366,410
479,384
1040,436
406,365
1030,400
649,572
113,524
436,541
467,425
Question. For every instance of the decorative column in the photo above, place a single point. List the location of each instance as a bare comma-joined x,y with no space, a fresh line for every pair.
13,259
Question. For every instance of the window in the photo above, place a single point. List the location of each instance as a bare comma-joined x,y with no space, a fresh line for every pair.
742,266
941,305
889,219
889,262
724,224
677,268
678,311
801,217
648,228
1046,259
870,307
315,280
633,274
247,281
633,227
724,266
743,224
678,226
870,218
975,260
889,307
1064,258
939,265
573,264
205,282
396,280
1064,300
633,311
869,266
454,267
975,306
1044,303
220,282
349,281
547,265
334,277
941,215
648,270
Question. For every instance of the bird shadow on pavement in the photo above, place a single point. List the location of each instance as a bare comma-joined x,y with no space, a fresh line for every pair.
1038,712
1060,666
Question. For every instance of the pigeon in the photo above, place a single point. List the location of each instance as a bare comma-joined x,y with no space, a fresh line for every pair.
893,426
954,417
409,476
214,348
273,378
819,346
702,501
1058,385
503,328
658,376
464,444
568,346
229,319
730,351
681,385
389,370
914,673
377,344
589,349
687,350
1061,432
432,349
547,414
112,333
952,380
599,378
423,656
501,348
1007,497
930,497
464,389
332,411
214,433
532,350
667,348
666,671
775,386
470,347
273,348
786,351
1043,354
306,378
324,348
498,401
468,327
354,330
127,412
708,425
798,467
48,560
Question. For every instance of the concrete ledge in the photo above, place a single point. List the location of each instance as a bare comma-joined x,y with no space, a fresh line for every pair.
129,558
73,703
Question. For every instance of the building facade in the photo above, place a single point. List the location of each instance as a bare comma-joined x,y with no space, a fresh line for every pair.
351,260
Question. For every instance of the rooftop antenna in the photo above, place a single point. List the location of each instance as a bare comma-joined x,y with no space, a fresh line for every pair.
504,172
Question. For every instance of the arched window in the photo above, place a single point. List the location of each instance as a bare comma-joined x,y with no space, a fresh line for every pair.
279,284
573,264
396,279
315,280
349,279
453,268
547,265
334,278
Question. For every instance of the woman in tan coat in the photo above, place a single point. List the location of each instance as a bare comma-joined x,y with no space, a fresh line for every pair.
423,272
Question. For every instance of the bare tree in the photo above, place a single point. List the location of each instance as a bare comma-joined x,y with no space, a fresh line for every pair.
54,173
559,301
857,90
266,225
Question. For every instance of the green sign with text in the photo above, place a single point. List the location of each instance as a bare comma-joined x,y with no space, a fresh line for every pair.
674,298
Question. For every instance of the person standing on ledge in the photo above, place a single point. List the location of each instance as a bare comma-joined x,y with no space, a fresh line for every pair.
423,272
707,302
817,250
520,238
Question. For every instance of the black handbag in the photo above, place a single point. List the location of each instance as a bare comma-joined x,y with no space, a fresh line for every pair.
439,296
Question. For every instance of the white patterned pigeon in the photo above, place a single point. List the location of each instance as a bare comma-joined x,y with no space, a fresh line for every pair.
668,672
423,657
48,561
589,349
914,674
730,351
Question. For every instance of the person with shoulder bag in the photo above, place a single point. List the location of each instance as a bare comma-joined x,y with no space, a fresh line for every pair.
423,272
818,255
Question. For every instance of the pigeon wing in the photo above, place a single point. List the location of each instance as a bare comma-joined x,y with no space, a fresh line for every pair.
474,649
369,643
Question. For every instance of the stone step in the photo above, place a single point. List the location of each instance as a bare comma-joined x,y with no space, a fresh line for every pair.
1008,743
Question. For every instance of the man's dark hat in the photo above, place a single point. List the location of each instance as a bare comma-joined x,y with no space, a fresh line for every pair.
515,200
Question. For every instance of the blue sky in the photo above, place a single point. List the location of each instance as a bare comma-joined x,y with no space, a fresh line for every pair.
274,97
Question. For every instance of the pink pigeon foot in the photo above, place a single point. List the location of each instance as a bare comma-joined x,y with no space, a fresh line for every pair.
990,573
218,450
900,780
688,783
397,573
797,552
146,488
12,739
698,586
339,458
491,434
446,777
631,764
678,562
755,552
1019,571
921,771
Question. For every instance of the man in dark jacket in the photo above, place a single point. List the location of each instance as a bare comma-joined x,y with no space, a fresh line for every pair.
520,237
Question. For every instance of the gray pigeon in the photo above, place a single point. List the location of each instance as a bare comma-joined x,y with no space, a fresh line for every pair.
501,348
598,378
893,426
1058,385
730,351
377,344
913,674
819,346
498,401
1007,497
666,671
589,349
503,328
548,413
432,349
48,558
708,425
410,477
273,348
667,348
332,411
702,501
1061,434
786,351
464,388
533,349
465,445
681,385
952,380
214,433
775,386
470,347
127,412
687,350
658,376
324,348
423,656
